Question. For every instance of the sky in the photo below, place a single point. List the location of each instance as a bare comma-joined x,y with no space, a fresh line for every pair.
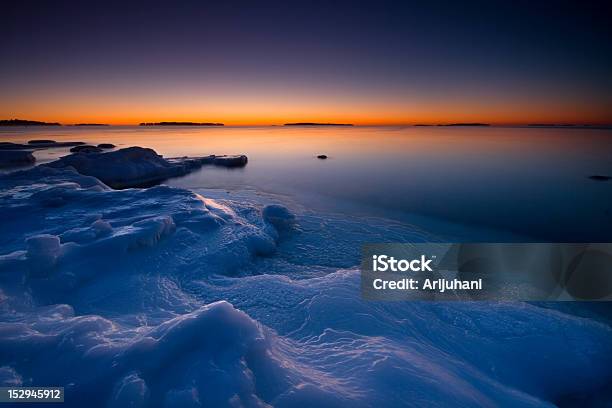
369,63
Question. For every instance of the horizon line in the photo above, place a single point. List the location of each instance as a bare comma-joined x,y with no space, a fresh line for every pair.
323,123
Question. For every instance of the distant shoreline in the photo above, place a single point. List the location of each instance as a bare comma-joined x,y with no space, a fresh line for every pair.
26,123
317,124
90,124
467,124
21,122
180,124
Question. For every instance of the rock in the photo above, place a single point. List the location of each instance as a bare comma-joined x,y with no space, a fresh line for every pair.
13,146
42,253
322,156
130,167
600,178
278,216
37,144
14,158
230,161
106,146
41,141
136,166
86,149
207,159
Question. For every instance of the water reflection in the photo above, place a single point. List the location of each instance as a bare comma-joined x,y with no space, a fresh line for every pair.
530,181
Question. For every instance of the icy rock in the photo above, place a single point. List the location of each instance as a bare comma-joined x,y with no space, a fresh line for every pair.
230,161
279,216
9,377
37,144
102,228
98,229
261,244
136,166
12,146
44,143
41,141
130,167
13,158
599,177
131,391
86,149
150,231
42,253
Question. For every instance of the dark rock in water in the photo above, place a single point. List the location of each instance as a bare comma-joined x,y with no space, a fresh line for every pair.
86,149
37,144
600,178
207,159
137,166
322,156
41,141
131,167
230,161
106,146
13,146
14,158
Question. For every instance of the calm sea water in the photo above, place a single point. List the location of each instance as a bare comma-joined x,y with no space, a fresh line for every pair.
529,181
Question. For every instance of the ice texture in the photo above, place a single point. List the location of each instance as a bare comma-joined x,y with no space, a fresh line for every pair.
164,297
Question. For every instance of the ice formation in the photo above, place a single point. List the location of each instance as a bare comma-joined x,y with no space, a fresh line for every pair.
165,297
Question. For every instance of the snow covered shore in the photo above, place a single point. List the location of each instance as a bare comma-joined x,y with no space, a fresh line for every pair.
163,297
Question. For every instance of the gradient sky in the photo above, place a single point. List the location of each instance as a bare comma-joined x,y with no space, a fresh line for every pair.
264,62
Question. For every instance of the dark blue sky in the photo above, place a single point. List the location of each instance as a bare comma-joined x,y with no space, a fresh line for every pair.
259,62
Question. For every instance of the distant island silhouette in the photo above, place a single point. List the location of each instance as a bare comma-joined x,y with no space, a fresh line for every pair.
22,122
317,124
467,124
558,125
181,124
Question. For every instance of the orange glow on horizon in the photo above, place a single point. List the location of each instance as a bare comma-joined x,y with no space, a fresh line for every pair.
130,118
258,111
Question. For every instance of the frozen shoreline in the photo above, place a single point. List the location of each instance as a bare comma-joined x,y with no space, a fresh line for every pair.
165,297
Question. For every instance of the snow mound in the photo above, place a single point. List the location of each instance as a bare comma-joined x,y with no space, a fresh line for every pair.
200,358
63,230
